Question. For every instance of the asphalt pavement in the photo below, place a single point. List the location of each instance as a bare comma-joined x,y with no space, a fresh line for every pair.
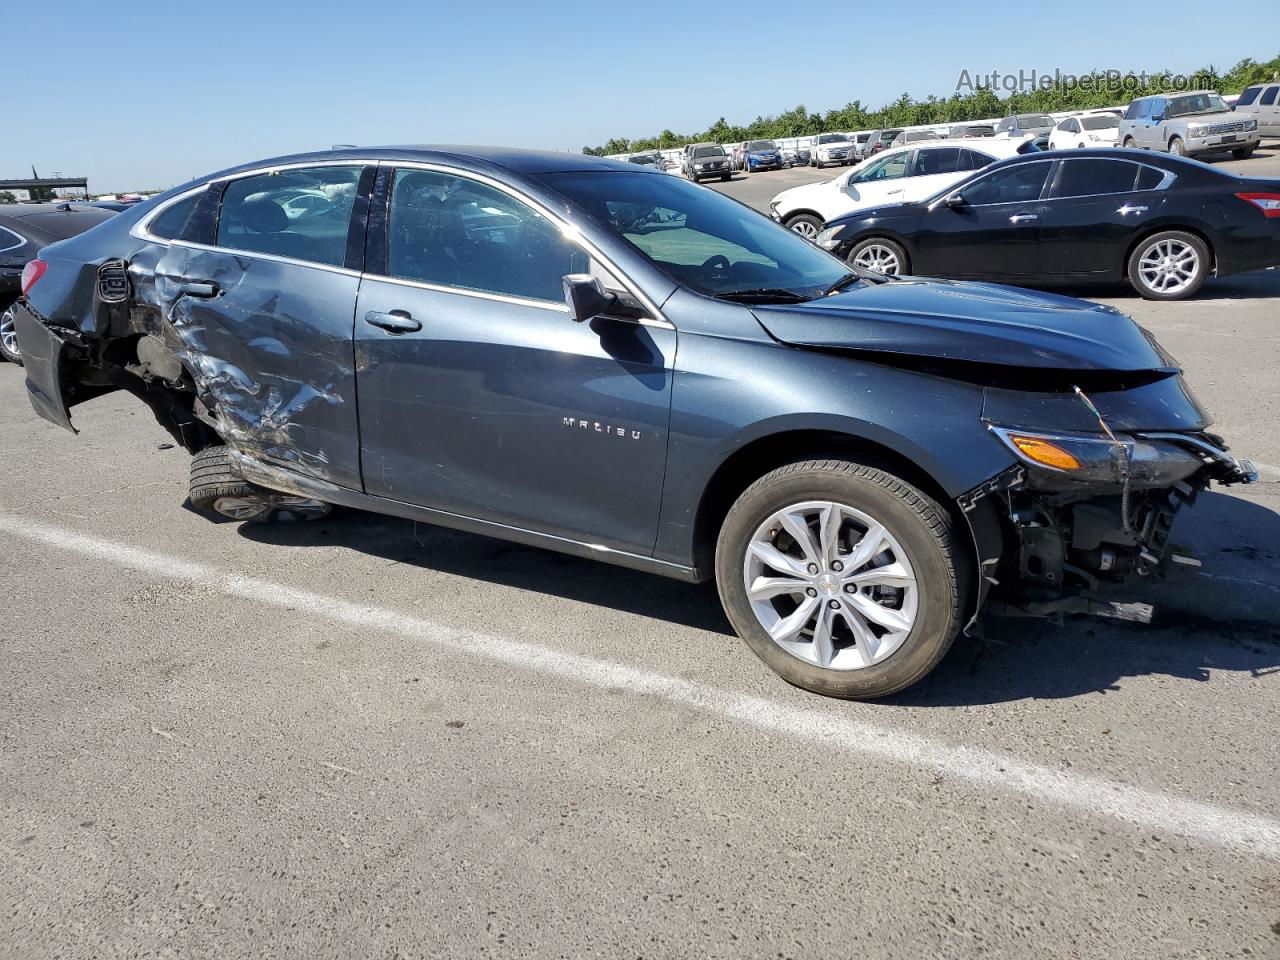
363,737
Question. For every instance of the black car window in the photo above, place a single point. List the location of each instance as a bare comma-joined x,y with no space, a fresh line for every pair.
301,214
1018,184
10,240
456,232
1089,177
173,220
1250,94
1269,97
942,160
1149,178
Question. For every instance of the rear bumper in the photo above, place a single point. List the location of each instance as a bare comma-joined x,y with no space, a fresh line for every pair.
42,356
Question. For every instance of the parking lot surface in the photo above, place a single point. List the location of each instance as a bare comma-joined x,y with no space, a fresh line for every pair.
364,737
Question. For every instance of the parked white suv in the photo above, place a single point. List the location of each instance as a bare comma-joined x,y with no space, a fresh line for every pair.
1187,124
1098,128
897,175
1262,103
833,148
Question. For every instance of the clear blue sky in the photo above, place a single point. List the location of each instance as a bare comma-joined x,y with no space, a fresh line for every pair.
147,94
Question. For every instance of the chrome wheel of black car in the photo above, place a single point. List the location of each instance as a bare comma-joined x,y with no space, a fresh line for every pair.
879,256
9,337
261,507
1171,265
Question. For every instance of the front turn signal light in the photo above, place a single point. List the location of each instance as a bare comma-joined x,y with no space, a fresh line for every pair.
1039,450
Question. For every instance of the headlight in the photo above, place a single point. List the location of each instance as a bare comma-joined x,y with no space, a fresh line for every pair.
1069,458
829,238
1196,132
697,166
1251,124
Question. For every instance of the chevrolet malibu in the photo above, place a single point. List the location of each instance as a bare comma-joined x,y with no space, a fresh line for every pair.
577,354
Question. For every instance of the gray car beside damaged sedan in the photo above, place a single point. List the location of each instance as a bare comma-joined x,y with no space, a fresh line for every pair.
577,354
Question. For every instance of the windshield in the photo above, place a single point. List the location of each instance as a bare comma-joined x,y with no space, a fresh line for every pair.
644,158
708,152
1106,122
1196,103
831,138
701,238
1034,120
757,145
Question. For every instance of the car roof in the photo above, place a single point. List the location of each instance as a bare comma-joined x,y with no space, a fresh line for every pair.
41,221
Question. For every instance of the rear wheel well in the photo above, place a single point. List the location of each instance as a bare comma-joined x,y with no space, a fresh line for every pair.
1198,234
747,465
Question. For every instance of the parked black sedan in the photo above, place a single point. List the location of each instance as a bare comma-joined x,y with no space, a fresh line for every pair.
25,229
1163,222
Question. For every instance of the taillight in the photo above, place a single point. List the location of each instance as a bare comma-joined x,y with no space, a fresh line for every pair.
1268,203
32,272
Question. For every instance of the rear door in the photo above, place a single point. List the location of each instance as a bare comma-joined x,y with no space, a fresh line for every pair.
479,396
995,233
1093,209
1268,111
933,170
263,313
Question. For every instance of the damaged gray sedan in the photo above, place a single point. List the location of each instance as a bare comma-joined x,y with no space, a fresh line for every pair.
594,358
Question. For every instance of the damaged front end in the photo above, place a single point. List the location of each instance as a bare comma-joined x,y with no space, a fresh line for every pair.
1082,514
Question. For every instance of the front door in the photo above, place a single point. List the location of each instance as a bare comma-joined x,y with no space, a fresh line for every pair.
479,395
995,232
262,317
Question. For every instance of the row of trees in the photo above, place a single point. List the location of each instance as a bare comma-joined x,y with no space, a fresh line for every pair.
1092,90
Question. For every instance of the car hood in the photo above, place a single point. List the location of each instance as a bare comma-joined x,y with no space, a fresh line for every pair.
970,322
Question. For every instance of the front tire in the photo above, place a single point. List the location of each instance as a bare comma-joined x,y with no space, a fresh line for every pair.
1169,265
1242,153
1177,147
805,224
845,579
9,336
1128,143
217,488
880,255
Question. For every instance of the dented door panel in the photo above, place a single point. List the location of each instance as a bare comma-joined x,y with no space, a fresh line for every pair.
268,344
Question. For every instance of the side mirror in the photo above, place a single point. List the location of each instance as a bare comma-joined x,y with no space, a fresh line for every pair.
956,201
1158,118
585,297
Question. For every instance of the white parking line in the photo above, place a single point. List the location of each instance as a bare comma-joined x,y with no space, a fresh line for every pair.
1219,826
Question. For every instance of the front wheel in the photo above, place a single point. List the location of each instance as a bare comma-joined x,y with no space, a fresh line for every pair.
805,224
843,578
1128,143
9,336
1177,147
1242,153
1170,265
880,255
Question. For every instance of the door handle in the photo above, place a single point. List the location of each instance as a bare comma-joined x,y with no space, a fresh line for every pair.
893,193
396,321
1020,217
204,289
1128,209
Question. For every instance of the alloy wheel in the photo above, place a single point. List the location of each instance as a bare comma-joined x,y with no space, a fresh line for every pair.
1169,266
805,229
878,258
264,506
831,585
9,332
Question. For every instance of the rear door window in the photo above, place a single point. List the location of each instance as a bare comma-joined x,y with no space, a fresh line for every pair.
1269,97
10,240
942,160
302,214
1089,178
173,220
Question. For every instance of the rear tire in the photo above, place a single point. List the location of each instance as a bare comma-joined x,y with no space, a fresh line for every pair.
9,336
916,603
217,488
1169,265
